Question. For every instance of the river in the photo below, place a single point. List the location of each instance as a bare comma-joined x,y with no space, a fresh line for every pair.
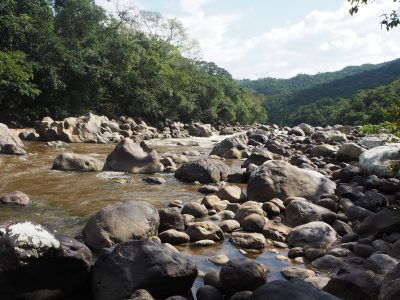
65,200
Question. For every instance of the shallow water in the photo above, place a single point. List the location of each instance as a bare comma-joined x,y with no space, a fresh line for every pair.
65,200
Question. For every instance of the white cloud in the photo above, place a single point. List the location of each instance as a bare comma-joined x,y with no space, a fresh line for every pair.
322,41
192,6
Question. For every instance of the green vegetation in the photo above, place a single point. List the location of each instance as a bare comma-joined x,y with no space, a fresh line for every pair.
390,20
68,57
354,96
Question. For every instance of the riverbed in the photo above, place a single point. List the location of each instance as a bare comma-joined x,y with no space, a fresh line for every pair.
65,200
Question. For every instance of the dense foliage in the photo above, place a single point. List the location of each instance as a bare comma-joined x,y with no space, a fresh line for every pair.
354,95
68,57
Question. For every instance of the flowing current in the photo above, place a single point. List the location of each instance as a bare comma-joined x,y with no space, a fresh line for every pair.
65,200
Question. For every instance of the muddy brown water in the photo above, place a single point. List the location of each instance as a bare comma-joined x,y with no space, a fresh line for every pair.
65,200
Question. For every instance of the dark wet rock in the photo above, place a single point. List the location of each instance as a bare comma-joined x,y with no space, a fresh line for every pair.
15,198
243,295
145,264
327,263
9,142
314,234
299,290
354,212
372,201
385,221
328,203
248,240
171,218
342,228
231,147
208,292
195,209
300,212
314,253
351,283
390,288
76,162
212,278
203,170
242,275
277,179
174,237
118,223
204,231
132,157
34,259
381,263
200,130
348,191
258,156
154,180
208,189
232,193
253,223
363,250
271,209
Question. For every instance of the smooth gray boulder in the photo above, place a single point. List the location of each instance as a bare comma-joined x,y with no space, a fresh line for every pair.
200,130
76,162
277,179
203,170
300,212
132,157
349,152
121,222
314,235
10,143
378,160
231,147
146,264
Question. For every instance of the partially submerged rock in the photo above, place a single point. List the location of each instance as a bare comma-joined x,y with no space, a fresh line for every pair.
76,162
203,170
132,157
9,142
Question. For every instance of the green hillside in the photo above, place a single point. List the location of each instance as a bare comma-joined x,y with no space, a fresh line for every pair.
310,98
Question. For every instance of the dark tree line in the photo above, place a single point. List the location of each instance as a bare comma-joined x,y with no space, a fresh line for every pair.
69,57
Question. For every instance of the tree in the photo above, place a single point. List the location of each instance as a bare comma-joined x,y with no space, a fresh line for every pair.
390,20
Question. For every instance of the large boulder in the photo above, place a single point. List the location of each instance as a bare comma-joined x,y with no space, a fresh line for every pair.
147,264
35,261
9,142
314,235
350,283
378,160
76,162
242,274
204,171
300,212
84,129
231,147
349,152
296,290
132,157
390,288
201,130
385,221
277,179
118,223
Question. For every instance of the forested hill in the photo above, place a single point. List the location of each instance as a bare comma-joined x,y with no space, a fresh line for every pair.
318,98
69,57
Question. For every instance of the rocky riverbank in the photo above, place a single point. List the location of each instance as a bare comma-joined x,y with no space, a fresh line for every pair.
330,196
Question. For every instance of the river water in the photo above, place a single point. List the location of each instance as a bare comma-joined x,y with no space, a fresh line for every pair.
65,200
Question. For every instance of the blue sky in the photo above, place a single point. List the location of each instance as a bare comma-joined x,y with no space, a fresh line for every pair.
281,38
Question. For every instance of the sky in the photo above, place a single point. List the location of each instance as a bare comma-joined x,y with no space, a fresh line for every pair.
281,38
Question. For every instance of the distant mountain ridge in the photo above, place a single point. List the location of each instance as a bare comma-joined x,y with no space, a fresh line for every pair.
285,98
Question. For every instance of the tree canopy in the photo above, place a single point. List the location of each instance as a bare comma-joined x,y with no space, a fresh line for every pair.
69,57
